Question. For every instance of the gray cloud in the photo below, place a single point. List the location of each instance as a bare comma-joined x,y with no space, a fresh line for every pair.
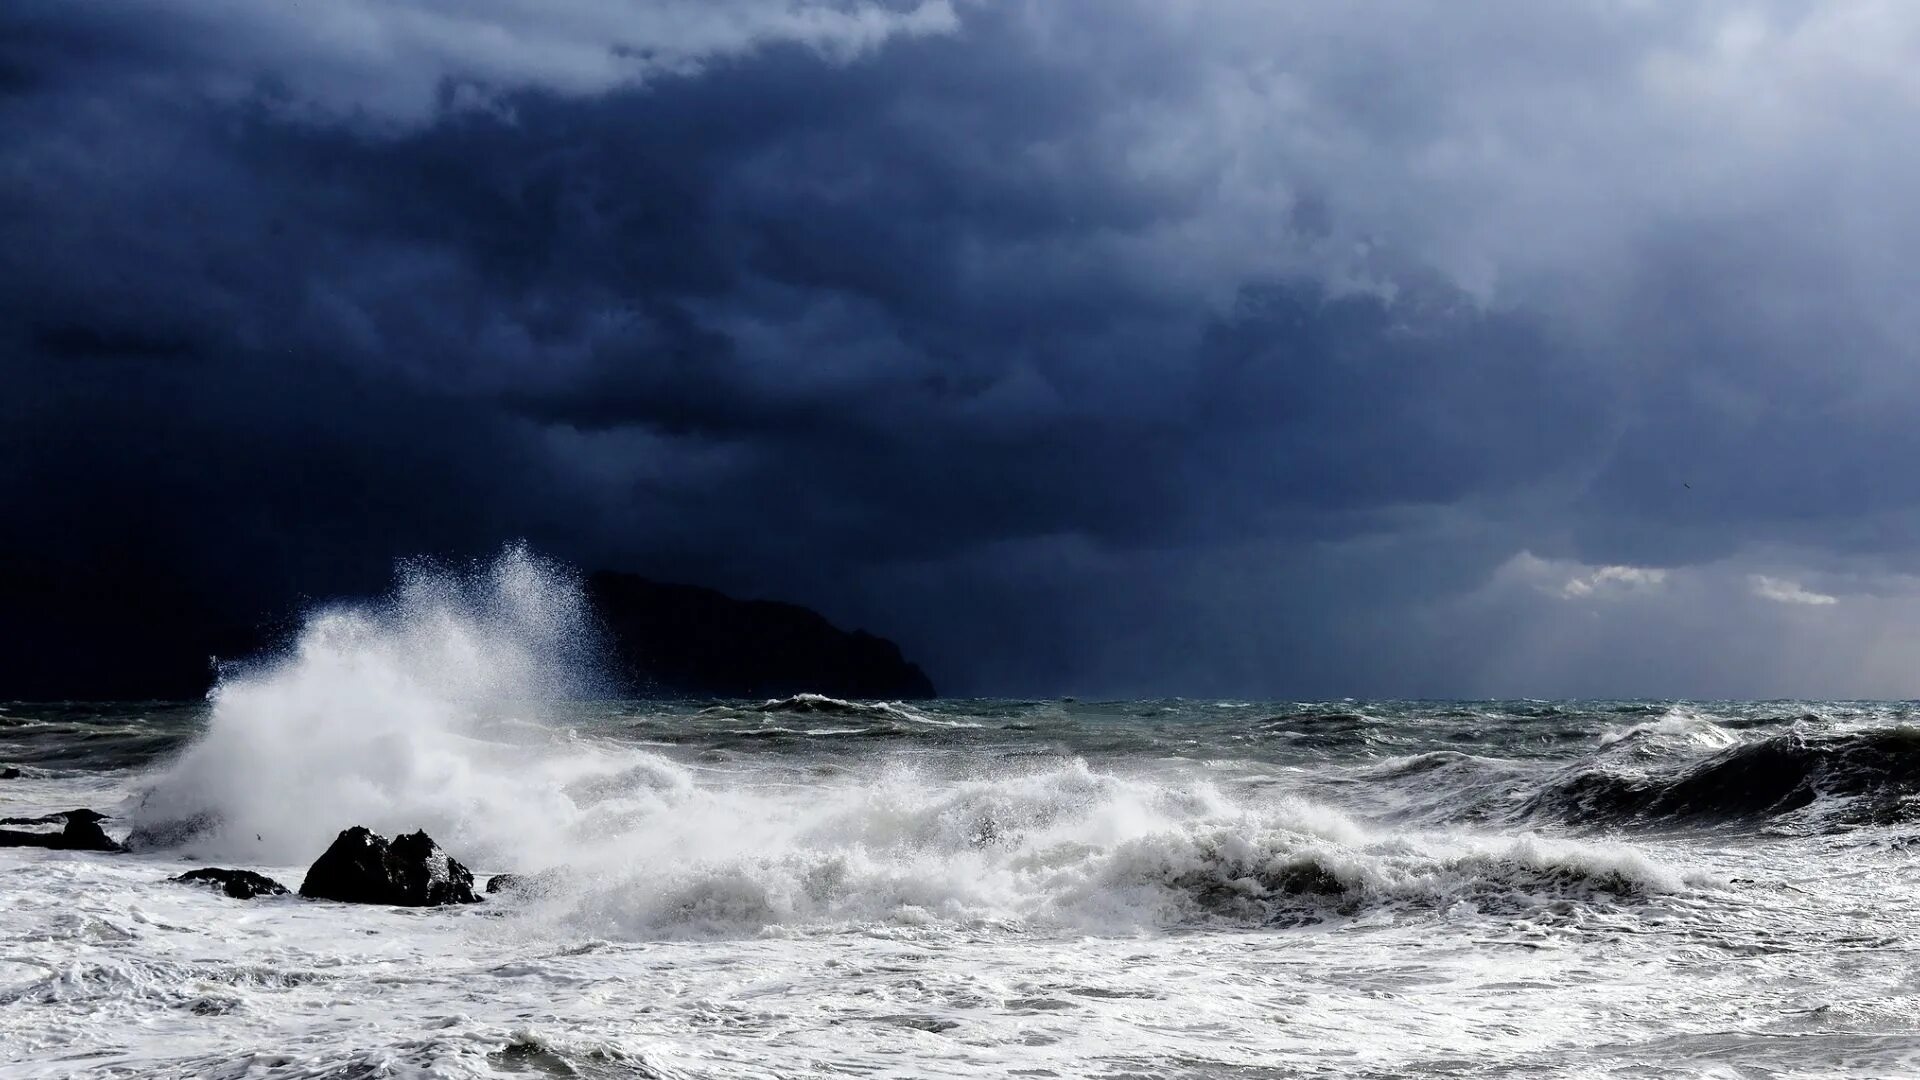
1212,348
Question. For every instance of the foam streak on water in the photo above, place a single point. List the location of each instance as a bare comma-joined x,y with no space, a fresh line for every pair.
971,888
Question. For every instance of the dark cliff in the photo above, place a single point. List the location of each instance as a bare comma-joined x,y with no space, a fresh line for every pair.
685,640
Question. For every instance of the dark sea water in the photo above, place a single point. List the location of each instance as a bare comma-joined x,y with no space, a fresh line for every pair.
811,887
817,888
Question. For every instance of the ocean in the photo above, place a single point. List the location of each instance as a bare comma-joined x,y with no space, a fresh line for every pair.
809,887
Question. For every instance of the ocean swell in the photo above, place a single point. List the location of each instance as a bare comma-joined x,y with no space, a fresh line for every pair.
1840,779
435,710
1064,849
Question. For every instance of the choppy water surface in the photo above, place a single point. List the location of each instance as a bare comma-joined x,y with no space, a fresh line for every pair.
813,887
810,887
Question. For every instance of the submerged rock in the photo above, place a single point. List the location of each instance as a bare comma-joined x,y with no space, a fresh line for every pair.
81,831
239,884
506,883
363,867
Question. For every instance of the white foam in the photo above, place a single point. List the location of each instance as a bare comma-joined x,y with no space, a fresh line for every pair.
1678,729
423,712
1061,847
903,913
375,718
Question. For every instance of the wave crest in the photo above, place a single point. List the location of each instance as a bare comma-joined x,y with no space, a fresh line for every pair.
1844,779
388,715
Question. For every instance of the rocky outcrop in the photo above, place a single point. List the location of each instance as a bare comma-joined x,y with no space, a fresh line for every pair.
683,640
363,867
239,884
80,831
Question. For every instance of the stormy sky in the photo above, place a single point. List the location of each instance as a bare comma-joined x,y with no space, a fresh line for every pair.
1081,346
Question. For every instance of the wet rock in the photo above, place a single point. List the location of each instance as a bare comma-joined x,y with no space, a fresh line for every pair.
9,773
239,884
363,867
85,835
151,835
80,831
552,879
20,838
82,815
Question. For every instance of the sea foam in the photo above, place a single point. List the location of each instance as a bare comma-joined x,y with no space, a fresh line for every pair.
395,715
433,709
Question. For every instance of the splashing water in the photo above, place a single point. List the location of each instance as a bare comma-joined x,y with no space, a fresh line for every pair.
810,887
428,711
377,715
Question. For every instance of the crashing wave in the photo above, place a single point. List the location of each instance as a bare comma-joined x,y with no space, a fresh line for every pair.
821,704
405,715
1675,731
386,715
1067,848
1847,779
1270,875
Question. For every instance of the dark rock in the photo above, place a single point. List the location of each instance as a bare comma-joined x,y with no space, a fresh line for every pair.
9,773
81,832
239,884
363,867
546,881
149,835
684,640
82,815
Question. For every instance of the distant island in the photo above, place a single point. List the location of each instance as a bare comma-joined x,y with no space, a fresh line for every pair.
683,640
88,640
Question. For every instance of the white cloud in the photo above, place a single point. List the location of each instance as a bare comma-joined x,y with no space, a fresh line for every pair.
1529,151
1613,581
1709,630
1782,591
393,61
1571,580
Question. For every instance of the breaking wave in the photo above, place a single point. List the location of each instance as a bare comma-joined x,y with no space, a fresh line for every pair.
1067,847
410,713
1836,779
427,712
1674,731
434,710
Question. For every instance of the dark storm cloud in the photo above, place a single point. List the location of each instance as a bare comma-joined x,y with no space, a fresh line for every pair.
1139,347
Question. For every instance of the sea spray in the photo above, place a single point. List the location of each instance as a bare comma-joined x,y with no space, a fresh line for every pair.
1138,888
392,715
446,708
1055,845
